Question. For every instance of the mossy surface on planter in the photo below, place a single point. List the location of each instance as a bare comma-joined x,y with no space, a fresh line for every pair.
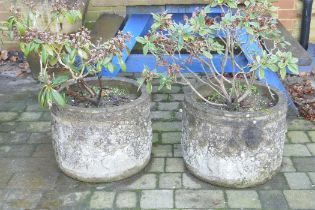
233,149
104,144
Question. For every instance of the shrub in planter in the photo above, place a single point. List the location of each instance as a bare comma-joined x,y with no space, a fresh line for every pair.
57,16
101,127
233,127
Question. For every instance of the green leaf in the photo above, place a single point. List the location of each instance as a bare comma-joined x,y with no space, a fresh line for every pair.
140,81
128,50
32,46
122,64
155,16
20,27
258,59
293,68
83,54
68,48
281,65
42,97
49,50
44,55
161,86
207,54
261,73
162,82
53,61
110,67
273,67
22,47
145,49
294,60
77,13
73,55
108,60
57,97
149,87
249,30
283,73
168,86
25,48
141,40
180,43
45,96
60,79
11,35
155,26
70,17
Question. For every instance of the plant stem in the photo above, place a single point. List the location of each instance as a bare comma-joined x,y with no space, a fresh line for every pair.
100,83
87,88
198,94
81,98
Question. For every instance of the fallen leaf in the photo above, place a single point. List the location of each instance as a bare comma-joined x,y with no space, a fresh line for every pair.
4,55
14,58
24,65
303,94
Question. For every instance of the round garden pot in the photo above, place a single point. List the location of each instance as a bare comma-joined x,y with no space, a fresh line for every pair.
233,149
103,144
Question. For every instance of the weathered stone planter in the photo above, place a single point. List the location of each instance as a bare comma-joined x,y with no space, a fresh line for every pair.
233,149
103,144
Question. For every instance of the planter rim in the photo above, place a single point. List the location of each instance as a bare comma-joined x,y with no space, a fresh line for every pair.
141,99
190,99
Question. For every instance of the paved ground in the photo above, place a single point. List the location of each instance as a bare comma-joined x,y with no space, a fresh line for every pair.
30,179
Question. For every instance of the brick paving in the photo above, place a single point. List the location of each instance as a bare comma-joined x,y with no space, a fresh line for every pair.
30,178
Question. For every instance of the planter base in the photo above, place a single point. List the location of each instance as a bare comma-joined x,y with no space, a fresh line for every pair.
122,175
255,180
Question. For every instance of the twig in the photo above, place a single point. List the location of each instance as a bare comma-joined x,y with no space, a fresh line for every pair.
87,88
200,96
81,98
101,89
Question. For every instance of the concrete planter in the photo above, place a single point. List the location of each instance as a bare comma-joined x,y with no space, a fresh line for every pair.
233,149
103,144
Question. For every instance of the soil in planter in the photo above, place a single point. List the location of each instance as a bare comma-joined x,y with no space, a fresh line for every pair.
111,97
256,101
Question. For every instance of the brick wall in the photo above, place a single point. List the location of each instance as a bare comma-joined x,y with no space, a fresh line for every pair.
98,7
289,12
4,13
